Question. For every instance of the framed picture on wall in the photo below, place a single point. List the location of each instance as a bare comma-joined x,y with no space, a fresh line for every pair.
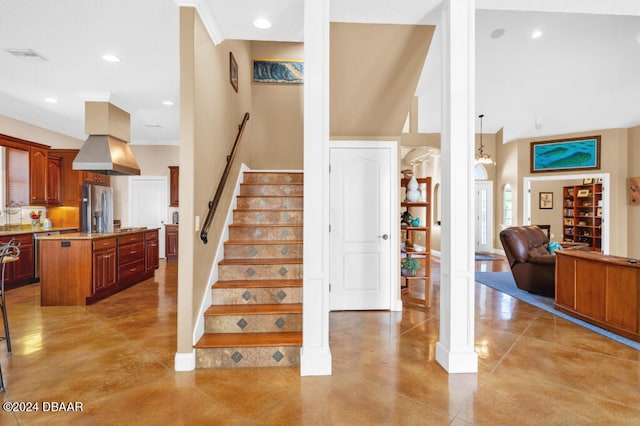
546,200
566,155
233,71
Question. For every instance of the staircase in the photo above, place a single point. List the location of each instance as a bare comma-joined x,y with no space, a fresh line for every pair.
255,317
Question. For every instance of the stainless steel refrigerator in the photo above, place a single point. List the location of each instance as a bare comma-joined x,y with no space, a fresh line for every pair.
96,213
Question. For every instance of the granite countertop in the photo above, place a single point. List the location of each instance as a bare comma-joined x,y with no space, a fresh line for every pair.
7,230
94,236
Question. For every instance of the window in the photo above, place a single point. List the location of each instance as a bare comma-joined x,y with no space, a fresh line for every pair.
507,211
480,172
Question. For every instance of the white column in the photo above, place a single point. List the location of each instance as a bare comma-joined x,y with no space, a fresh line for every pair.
455,350
315,356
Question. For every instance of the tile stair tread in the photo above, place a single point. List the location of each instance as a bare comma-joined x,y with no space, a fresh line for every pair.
263,261
262,242
257,284
255,309
235,340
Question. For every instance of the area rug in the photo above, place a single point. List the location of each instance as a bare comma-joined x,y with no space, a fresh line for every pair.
503,282
482,256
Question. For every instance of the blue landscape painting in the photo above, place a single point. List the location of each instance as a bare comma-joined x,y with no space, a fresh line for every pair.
582,154
277,71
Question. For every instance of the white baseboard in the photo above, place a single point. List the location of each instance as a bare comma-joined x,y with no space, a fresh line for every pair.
315,361
184,361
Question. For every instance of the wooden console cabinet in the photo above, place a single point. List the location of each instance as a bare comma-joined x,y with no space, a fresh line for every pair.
600,289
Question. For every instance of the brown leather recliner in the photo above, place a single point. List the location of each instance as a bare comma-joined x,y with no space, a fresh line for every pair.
532,266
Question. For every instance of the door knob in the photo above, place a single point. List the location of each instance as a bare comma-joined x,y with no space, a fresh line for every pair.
384,236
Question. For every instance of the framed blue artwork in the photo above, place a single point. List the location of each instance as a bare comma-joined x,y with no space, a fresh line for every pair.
565,155
278,71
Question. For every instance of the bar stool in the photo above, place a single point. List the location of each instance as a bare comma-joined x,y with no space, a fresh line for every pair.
9,252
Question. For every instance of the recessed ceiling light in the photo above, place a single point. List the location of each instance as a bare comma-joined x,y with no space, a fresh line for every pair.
536,34
262,23
497,33
51,100
167,103
111,58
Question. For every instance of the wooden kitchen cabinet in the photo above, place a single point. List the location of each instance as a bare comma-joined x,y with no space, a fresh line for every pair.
70,179
96,178
174,192
171,242
151,252
38,164
130,258
104,264
54,180
22,271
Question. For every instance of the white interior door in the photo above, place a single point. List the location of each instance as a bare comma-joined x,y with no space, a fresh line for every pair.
148,204
484,216
360,218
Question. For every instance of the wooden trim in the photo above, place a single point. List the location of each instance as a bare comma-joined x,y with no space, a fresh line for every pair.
13,142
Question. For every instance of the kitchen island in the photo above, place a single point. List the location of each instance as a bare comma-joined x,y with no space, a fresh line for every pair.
80,268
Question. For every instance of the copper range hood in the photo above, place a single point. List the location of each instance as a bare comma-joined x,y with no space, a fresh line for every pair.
106,151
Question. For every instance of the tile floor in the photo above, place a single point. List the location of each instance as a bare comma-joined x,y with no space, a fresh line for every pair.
116,358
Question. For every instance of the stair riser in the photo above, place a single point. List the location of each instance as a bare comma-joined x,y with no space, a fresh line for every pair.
251,296
280,190
271,323
265,233
272,178
251,357
267,251
261,217
259,272
270,203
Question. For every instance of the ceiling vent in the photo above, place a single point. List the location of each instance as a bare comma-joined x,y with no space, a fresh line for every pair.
25,54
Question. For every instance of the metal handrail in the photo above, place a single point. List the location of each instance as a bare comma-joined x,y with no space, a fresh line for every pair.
213,204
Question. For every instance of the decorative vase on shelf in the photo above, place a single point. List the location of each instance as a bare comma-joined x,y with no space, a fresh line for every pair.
413,194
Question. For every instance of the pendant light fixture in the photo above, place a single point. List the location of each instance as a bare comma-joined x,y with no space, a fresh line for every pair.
482,157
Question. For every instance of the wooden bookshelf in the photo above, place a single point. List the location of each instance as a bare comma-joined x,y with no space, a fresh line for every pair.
416,289
582,214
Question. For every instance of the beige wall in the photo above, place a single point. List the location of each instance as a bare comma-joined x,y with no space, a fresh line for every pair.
277,113
554,216
374,72
613,160
210,112
154,160
22,130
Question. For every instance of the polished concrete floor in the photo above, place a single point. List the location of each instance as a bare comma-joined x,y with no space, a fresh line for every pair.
116,359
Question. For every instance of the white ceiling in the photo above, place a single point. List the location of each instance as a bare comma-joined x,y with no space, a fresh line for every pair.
582,74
